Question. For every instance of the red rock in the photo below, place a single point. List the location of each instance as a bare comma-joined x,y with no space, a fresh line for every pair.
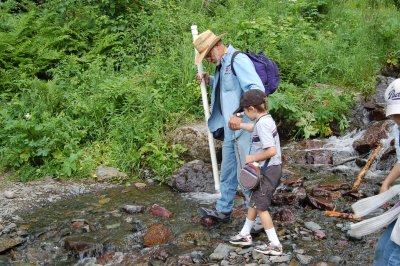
208,221
320,203
319,235
159,211
157,234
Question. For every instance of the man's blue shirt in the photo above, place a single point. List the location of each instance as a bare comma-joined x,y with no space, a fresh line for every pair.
231,88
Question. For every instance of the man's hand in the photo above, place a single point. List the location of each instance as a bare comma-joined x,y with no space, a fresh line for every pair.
206,78
234,122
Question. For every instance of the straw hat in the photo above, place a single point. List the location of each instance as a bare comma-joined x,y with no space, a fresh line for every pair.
204,43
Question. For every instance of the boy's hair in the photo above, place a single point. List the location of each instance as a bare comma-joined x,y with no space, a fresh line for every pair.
252,98
262,107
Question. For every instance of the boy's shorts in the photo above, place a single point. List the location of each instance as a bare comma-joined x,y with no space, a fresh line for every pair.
260,198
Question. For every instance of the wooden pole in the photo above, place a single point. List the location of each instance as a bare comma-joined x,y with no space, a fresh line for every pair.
360,176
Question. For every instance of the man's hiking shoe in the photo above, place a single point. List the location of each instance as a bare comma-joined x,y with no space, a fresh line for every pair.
213,213
257,228
269,249
241,240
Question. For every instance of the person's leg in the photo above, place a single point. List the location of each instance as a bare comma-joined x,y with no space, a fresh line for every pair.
244,238
228,179
391,251
380,248
274,247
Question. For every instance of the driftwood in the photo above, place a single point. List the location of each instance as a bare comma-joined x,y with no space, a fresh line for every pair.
340,215
360,176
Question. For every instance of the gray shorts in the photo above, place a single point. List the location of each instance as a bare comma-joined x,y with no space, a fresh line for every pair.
260,198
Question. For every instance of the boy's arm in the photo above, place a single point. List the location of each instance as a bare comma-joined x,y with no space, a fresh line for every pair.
247,126
267,153
392,176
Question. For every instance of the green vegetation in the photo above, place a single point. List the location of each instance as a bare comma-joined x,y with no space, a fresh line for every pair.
84,83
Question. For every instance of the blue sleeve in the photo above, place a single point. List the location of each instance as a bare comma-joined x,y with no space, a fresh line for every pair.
246,73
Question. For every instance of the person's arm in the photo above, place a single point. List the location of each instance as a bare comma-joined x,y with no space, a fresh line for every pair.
267,153
247,126
246,73
392,176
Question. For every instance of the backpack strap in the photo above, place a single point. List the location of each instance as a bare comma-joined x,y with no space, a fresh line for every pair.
233,58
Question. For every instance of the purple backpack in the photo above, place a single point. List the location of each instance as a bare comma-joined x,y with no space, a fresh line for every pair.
266,69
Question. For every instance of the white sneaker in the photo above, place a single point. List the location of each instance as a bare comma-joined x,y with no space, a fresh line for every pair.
241,240
270,249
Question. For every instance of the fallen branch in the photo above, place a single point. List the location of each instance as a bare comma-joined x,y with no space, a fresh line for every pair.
340,215
346,161
360,176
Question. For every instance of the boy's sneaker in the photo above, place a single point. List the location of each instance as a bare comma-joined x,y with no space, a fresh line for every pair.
269,249
257,228
213,213
241,240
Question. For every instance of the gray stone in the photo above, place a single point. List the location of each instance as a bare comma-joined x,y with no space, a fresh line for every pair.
221,252
335,260
280,259
304,259
312,226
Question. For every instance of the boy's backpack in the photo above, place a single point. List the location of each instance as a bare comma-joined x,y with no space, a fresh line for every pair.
266,69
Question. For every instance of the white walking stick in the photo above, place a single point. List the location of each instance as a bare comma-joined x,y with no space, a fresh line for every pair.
207,115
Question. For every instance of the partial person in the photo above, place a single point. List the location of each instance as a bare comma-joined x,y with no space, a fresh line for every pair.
266,151
226,91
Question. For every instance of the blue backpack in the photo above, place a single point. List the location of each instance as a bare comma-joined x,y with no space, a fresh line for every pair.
266,69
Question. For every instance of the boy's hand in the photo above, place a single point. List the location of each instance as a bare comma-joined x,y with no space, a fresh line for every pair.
234,122
249,159
205,76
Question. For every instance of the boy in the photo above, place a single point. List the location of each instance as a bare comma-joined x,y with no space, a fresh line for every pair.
265,149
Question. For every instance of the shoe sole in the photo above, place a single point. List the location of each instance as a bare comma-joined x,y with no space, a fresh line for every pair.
274,253
243,244
203,213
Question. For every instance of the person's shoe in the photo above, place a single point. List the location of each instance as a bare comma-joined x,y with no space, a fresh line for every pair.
213,213
270,249
241,240
257,228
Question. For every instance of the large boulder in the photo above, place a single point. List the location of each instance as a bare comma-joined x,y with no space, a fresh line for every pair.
194,176
195,139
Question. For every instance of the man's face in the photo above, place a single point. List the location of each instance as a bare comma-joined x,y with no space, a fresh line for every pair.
214,56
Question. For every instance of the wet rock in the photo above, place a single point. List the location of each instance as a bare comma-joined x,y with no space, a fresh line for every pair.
334,186
161,254
372,136
140,185
185,260
105,173
285,198
159,211
132,209
319,235
157,234
320,203
221,252
7,243
312,226
195,176
322,192
110,258
304,259
195,139
293,182
284,216
83,245
208,221
82,224
280,259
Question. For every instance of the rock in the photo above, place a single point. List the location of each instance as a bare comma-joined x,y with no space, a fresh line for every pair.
140,185
132,209
320,203
304,259
312,226
83,245
319,235
159,211
195,176
6,243
195,139
208,221
284,216
221,252
9,194
105,173
157,234
372,136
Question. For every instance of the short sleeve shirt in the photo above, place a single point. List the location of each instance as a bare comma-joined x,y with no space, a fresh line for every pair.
265,135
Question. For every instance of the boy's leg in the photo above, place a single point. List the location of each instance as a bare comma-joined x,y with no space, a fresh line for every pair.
244,238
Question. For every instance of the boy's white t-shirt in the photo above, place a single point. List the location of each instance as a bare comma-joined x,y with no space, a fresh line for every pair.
265,135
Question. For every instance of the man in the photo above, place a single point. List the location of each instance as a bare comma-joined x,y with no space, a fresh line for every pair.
226,91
